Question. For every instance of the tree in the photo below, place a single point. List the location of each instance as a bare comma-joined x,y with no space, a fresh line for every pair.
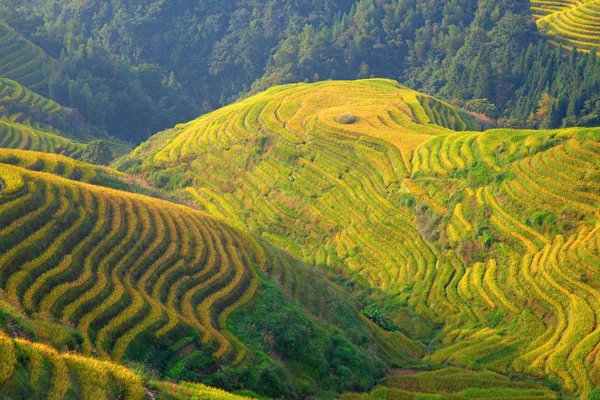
364,72
544,109
481,106
97,152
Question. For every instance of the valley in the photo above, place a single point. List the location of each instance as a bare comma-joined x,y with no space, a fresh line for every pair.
353,200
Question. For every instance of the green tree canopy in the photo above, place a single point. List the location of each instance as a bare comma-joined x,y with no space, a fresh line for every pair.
97,152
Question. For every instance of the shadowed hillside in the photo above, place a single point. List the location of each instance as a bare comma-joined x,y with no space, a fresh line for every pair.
30,121
143,280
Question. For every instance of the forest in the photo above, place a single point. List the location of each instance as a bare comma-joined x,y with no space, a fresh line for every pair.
132,69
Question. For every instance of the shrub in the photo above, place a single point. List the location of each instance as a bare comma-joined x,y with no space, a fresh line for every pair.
346,118
97,152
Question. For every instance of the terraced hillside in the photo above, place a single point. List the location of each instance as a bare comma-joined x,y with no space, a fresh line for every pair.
34,370
119,266
21,60
572,24
37,361
493,235
16,134
454,383
138,279
56,374
28,121
312,185
14,92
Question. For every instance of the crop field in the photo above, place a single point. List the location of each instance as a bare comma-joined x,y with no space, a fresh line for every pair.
572,24
19,130
454,383
121,268
15,134
35,370
540,210
11,91
21,60
493,234
39,369
316,187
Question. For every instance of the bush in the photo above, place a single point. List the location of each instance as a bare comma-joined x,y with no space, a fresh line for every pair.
346,118
97,152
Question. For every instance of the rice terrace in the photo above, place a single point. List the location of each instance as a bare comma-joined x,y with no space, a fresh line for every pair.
340,199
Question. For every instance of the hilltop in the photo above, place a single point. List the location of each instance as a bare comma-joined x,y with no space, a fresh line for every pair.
489,236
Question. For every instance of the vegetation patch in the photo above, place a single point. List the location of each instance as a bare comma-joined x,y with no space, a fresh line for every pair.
346,118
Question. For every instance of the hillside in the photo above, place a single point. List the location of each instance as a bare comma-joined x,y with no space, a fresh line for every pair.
574,25
148,281
38,362
488,56
491,235
30,121
18,135
22,61
35,370
13,92
88,93
44,284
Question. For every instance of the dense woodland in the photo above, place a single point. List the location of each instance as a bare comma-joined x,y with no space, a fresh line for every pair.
133,68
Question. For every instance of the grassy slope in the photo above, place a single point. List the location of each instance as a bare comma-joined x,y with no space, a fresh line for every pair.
491,234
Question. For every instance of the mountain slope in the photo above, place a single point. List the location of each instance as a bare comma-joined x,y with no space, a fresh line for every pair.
33,122
35,370
11,91
16,135
300,177
493,235
193,297
21,60
154,260
574,25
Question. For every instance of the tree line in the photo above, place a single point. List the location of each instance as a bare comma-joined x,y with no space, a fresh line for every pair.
134,68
